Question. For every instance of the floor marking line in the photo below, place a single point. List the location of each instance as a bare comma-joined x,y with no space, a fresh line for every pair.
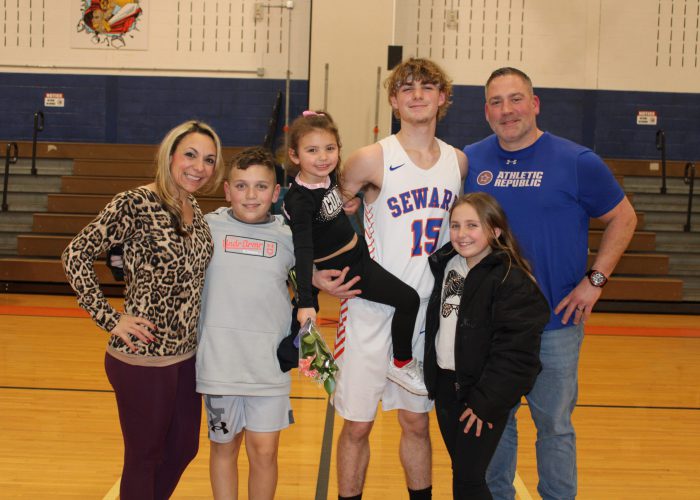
635,331
520,488
324,464
113,493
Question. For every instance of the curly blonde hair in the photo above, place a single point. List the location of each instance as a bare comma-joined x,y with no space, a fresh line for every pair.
421,70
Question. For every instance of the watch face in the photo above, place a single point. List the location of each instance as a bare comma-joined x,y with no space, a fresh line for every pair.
597,278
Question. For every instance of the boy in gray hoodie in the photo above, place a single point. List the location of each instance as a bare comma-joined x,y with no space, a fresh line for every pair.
246,312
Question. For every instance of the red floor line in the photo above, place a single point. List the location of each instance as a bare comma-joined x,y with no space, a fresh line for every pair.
62,312
76,312
642,331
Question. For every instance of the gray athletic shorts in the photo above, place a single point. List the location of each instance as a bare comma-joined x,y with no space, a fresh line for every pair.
229,415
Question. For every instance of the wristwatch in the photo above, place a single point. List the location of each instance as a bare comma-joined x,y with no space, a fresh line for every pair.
596,278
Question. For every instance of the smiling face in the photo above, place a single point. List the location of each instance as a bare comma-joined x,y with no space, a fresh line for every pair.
251,193
511,110
316,155
469,236
192,163
417,102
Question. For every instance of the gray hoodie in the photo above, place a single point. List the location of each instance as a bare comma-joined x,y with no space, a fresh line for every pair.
246,310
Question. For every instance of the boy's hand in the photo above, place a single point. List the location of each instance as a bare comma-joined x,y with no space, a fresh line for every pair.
305,313
332,281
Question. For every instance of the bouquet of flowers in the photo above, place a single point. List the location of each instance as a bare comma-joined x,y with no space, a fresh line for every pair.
315,358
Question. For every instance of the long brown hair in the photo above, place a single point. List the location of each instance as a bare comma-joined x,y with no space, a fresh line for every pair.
307,123
165,185
493,217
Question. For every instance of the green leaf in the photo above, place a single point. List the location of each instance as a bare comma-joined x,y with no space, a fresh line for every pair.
329,385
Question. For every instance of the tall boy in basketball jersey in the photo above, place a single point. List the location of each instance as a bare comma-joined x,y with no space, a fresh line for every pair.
410,181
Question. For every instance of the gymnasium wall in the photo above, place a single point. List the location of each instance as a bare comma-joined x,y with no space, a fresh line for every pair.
222,61
595,66
141,109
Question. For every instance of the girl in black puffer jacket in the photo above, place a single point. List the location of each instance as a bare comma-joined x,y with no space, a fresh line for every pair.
483,327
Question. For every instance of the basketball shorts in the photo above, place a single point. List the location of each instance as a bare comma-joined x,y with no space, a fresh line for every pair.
229,415
363,351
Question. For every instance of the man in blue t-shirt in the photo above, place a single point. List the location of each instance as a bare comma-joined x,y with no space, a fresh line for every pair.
549,188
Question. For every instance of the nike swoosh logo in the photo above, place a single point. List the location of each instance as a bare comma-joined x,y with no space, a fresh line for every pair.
395,167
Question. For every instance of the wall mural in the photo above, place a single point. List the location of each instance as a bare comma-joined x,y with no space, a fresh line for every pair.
110,24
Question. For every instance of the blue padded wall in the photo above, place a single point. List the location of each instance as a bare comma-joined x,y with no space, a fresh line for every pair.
603,120
140,110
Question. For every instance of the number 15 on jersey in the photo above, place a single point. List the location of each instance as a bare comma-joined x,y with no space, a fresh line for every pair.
426,234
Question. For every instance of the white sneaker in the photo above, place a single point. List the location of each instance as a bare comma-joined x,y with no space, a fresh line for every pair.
410,377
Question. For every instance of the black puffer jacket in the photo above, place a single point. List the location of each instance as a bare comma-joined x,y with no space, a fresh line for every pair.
501,317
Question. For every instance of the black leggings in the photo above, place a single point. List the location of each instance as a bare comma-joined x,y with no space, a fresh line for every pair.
470,454
379,285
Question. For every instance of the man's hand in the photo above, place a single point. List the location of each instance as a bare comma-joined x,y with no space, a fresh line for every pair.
332,281
579,302
352,205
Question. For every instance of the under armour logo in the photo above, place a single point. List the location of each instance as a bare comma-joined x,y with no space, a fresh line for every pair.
220,427
511,162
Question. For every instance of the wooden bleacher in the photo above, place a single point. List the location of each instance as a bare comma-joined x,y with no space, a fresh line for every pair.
98,175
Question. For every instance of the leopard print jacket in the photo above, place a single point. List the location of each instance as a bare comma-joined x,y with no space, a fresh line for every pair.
163,271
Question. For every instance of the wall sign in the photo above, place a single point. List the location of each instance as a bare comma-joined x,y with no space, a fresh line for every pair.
54,100
646,118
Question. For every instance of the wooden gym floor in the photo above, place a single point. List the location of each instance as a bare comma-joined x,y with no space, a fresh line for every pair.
638,417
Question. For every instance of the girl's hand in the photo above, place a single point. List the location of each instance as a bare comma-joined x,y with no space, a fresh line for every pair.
140,328
472,418
305,313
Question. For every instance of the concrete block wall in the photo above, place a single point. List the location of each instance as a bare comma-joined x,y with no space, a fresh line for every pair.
139,110
604,120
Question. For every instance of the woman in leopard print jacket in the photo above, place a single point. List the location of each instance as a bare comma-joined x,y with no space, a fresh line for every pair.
150,353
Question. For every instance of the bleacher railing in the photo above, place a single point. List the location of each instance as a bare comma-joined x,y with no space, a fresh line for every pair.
11,155
661,146
38,127
689,178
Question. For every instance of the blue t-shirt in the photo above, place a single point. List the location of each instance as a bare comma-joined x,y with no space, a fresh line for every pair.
549,191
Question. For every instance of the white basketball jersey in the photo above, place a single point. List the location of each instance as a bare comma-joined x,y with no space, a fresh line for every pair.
403,226
408,220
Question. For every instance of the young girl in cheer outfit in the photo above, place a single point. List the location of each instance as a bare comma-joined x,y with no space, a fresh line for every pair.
324,237
483,327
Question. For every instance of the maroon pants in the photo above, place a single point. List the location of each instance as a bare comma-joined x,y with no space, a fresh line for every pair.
160,414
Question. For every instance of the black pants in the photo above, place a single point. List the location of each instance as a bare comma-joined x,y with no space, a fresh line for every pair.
470,454
379,285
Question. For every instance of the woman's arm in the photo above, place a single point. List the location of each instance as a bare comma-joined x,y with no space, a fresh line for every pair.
112,226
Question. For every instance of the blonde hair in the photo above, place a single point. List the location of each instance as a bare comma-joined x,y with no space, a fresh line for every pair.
420,70
166,188
492,216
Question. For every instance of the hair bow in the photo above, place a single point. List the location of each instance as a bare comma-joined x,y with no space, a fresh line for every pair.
308,113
